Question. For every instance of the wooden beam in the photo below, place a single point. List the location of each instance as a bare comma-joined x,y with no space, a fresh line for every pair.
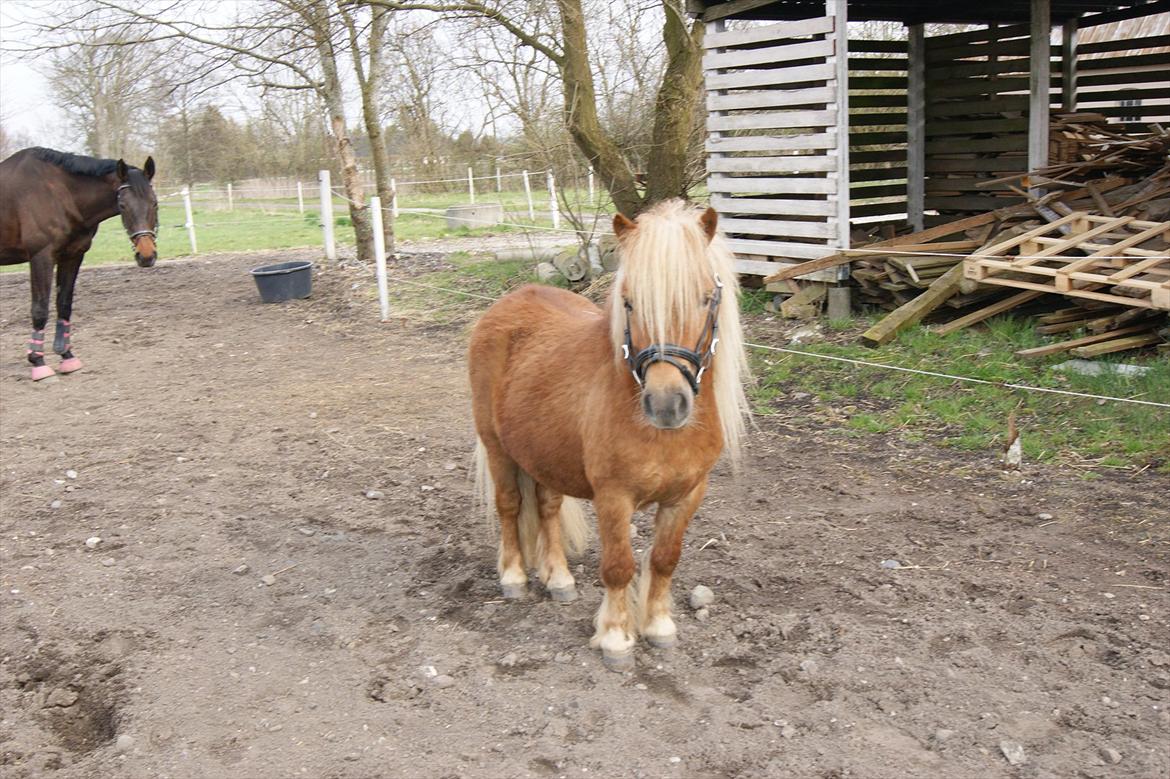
839,10
715,13
1039,85
987,312
1064,346
1117,345
1068,65
911,313
916,128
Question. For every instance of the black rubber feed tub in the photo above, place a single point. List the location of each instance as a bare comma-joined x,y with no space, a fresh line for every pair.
284,281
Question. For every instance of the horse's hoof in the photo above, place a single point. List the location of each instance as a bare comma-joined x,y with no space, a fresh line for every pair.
662,642
618,661
564,595
42,372
70,365
513,591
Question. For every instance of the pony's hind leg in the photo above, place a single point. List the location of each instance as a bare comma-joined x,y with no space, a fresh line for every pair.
66,280
670,525
554,568
505,476
615,626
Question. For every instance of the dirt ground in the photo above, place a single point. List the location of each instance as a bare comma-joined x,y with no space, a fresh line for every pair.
213,441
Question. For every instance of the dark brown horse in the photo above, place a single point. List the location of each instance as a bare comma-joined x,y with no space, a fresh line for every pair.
51,204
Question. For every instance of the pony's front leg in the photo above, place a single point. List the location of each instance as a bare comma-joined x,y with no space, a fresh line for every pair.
615,631
40,284
670,525
67,270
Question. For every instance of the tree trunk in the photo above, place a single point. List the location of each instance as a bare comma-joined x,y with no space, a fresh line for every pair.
674,113
368,80
359,212
581,113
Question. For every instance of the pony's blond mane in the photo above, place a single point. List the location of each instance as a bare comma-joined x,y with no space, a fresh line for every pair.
668,270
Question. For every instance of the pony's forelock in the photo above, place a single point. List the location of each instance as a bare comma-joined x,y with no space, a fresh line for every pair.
668,269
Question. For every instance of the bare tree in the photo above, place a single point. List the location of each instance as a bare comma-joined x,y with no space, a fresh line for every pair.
566,46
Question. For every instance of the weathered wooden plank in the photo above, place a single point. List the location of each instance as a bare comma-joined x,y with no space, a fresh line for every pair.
839,9
777,143
772,206
1039,84
771,32
769,55
916,128
969,202
778,249
1017,142
975,127
744,79
963,70
1132,61
771,98
777,227
1001,164
726,10
772,120
789,164
956,108
1121,79
1126,43
972,86
1007,304
955,184
771,186
913,312
1064,346
1117,345
981,35
936,54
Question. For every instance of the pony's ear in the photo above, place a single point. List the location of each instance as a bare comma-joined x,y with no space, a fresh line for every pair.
622,224
123,170
148,168
709,220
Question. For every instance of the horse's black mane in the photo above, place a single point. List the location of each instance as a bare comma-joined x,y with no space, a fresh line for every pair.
75,163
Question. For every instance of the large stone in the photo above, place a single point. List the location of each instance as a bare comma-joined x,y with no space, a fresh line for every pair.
474,215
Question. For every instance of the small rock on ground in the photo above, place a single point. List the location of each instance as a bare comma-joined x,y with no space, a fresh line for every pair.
1110,755
375,494
702,614
701,596
443,681
124,744
1013,752
240,570
92,542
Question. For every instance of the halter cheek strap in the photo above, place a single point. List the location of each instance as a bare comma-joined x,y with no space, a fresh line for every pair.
696,362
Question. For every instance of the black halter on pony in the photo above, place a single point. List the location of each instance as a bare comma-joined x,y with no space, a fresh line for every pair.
699,361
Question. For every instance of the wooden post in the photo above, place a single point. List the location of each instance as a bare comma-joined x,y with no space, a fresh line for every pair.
470,185
528,194
1038,87
554,210
190,225
916,128
839,9
327,214
1068,65
231,204
590,185
393,198
499,180
380,256
300,198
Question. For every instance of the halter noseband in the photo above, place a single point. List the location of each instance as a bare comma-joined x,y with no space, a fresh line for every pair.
671,353
134,236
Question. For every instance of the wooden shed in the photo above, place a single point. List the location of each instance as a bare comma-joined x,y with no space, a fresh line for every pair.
815,128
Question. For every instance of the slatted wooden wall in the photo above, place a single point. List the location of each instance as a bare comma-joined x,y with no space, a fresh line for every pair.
773,156
1134,69
976,104
877,128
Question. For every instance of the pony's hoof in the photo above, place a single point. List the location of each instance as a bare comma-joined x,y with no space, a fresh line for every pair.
618,661
513,591
40,372
564,595
70,365
662,642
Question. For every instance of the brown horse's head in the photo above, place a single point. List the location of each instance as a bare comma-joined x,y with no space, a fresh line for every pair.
673,312
139,209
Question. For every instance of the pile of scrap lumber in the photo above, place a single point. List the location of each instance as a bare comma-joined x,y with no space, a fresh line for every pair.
1089,249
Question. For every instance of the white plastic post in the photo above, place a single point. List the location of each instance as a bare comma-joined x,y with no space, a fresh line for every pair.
499,180
300,198
380,256
470,185
552,201
231,203
327,215
393,198
528,194
590,185
190,225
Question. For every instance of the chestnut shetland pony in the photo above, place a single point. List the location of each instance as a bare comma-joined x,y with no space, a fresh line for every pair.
614,406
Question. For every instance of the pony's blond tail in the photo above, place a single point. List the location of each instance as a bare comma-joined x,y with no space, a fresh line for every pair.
574,527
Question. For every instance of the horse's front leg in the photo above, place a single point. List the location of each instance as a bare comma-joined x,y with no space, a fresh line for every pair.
615,630
40,285
670,525
67,270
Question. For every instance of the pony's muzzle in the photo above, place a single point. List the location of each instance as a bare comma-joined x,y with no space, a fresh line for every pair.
667,409
145,252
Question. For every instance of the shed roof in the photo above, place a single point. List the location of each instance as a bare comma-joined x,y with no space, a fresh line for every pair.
912,11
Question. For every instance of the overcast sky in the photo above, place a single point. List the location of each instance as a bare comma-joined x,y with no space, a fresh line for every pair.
25,105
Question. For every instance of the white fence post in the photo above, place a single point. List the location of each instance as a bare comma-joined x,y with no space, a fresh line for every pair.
231,202
380,256
470,185
327,215
190,225
393,198
552,201
499,180
528,194
300,198
590,185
